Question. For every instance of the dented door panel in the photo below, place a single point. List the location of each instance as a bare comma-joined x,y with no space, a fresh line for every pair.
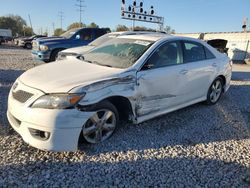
160,89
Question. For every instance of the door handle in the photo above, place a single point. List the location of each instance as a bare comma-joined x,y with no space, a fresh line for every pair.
184,71
214,64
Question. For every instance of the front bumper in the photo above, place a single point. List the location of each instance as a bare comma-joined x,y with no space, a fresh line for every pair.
41,56
21,44
64,126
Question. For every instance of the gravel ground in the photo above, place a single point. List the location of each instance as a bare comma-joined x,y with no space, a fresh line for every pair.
199,146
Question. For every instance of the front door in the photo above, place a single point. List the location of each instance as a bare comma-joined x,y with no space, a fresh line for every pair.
161,80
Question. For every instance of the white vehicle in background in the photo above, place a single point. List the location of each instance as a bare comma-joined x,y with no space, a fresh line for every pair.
79,51
6,34
131,77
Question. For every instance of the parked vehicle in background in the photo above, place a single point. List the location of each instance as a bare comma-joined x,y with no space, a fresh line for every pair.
79,51
1,40
27,42
219,44
16,40
47,49
131,77
6,34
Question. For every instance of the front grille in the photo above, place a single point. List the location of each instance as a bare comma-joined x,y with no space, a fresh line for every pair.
21,96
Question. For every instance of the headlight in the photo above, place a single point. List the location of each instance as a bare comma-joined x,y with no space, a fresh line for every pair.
57,101
43,47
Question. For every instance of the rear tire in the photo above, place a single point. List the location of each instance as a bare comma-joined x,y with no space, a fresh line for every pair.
215,91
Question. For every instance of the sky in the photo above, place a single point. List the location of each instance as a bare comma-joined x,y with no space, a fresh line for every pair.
185,16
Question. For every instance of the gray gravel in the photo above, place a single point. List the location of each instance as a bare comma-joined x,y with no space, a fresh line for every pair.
199,146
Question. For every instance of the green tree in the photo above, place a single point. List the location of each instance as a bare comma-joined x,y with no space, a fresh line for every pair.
14,22
28,31
76,25
93,25
122,28
169,30
58,32
141,28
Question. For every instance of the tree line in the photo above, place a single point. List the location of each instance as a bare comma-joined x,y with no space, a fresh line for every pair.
19,26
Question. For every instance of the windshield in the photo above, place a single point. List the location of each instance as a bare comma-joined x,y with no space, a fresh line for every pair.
69,34
103,39
33,36
118,52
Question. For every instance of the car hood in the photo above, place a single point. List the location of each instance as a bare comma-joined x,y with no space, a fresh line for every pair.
62,76
78,50
48,39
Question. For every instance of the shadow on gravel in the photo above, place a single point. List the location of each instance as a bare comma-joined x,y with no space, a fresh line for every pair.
241,76
152,172
7,78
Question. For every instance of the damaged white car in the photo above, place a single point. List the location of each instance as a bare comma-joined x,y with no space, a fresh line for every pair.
135,78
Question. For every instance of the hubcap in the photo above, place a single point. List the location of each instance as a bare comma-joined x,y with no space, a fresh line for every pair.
100,126
216,90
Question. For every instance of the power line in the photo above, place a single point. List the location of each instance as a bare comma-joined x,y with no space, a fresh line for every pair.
61,16
81,7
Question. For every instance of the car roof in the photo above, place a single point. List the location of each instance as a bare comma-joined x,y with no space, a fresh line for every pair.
147,36
159,36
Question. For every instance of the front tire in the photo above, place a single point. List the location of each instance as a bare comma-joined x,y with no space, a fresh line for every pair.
28,46
54,54
102,124
215,91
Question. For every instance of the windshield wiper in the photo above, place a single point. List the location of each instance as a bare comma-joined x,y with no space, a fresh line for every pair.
95,62
81,57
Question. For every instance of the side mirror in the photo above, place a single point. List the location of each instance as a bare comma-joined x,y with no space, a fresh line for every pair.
148,66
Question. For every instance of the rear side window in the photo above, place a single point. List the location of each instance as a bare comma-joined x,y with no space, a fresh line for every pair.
209,54
193,51
99,32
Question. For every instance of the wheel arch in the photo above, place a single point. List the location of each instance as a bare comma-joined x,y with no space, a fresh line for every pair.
123,106
54,50
223,79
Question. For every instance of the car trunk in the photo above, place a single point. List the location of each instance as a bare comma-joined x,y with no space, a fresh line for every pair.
219,44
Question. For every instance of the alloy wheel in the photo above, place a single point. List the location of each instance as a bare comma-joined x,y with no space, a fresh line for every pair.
216,90
100,126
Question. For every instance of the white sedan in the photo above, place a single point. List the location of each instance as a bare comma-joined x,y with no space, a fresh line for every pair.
132,77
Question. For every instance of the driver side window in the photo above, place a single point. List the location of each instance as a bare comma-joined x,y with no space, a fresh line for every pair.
168,54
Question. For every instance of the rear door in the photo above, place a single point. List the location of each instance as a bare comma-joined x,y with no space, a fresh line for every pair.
201,69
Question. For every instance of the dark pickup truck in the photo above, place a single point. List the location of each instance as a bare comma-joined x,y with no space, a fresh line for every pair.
47,49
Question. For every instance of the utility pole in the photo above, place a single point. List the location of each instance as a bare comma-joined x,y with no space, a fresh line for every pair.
61,15
53,26
31,24
81,7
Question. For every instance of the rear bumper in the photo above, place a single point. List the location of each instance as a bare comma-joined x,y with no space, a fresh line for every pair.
228,77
